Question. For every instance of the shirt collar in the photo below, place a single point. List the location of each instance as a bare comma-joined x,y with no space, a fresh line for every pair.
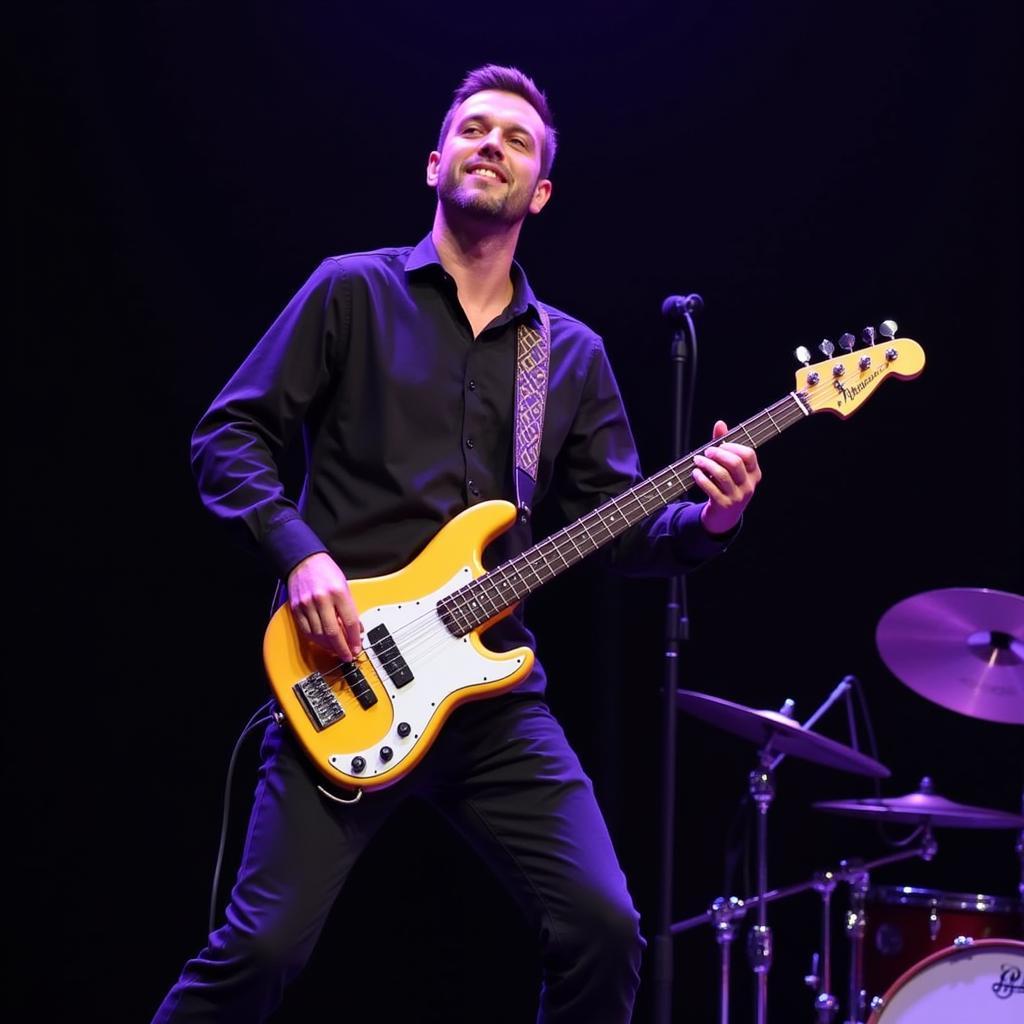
425,255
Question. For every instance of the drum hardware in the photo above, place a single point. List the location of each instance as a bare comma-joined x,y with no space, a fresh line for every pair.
825,1003
759,938
723,913
777,735
923,808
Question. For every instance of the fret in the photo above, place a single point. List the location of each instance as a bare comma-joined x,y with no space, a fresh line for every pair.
504,583
528,558
526,587
552,541
487,589
640,500
520,576
581,554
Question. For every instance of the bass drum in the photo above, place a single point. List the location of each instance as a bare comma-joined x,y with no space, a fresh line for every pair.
980,983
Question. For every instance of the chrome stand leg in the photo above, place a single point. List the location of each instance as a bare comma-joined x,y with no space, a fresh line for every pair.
724,913
825,1003
759,941
856,925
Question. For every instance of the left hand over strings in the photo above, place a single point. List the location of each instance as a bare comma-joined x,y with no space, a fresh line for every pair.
728,474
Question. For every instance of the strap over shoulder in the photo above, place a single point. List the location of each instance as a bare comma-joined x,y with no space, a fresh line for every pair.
533,358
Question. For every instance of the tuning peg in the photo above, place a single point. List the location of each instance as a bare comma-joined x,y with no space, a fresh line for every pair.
802,355
868,335
888,328
826,348
847,341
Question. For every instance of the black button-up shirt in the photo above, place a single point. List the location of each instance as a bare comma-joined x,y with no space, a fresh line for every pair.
407,419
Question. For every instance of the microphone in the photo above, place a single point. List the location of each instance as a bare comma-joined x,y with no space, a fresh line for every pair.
676,307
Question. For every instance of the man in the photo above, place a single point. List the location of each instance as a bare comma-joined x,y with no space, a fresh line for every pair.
399,368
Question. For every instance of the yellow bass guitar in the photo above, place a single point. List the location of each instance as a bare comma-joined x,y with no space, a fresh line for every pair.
367,723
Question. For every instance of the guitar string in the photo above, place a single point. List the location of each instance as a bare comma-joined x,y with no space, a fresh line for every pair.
430,629
563,543
789,409
428,626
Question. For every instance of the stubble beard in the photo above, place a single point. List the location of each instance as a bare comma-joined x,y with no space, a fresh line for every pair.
457,195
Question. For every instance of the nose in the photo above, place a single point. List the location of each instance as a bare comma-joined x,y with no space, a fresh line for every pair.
491,143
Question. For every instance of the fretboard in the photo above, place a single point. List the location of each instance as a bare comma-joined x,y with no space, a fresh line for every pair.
487,596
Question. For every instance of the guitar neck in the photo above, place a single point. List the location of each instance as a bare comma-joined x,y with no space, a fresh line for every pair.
487,596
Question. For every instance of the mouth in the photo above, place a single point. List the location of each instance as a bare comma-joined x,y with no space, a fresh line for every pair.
487,171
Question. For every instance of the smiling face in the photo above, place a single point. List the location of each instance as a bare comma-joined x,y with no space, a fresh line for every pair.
489,166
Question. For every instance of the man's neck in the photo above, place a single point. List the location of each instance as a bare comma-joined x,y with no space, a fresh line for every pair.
479,258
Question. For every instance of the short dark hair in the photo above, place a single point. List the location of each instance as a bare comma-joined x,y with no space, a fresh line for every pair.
503,79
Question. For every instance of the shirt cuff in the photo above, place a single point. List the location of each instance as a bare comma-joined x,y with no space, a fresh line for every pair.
290,543
692,538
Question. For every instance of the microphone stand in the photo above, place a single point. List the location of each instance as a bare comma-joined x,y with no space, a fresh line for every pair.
678,311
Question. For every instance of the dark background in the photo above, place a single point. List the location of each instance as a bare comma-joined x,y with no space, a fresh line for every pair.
176,170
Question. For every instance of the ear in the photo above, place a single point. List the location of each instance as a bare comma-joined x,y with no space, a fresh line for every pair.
541,195
433,162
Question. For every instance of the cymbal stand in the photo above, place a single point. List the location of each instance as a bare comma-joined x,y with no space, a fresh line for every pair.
858,876
825,1003
856,924
759,939
724,913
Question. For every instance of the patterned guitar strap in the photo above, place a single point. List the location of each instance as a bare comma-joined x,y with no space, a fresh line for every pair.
533,356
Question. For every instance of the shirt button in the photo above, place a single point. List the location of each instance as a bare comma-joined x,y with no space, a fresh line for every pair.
469,442
472,385
473,489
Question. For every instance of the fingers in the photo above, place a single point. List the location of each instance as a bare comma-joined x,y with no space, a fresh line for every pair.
322,605
731,468
338,624
728,473
347,617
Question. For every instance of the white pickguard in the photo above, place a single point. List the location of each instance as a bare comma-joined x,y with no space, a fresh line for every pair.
441,664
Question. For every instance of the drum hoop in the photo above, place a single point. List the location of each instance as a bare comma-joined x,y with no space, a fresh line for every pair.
908,896
939,954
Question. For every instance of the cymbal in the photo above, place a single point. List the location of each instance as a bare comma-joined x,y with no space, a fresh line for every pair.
783,734
924,807
962,648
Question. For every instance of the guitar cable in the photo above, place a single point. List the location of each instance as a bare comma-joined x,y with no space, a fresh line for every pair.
259,717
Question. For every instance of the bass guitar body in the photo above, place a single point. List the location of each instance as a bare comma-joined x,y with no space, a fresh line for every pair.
367,723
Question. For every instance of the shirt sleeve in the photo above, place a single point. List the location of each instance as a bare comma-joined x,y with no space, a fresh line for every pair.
238,445
599,461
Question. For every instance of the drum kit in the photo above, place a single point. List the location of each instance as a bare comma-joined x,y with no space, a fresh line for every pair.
916,956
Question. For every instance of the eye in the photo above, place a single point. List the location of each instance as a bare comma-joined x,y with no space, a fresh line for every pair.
518,142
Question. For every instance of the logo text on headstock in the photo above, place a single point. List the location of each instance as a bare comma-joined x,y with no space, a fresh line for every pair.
847,393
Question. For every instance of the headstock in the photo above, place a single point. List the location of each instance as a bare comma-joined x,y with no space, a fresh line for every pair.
841,384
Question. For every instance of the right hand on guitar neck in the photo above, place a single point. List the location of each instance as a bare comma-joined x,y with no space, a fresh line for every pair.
322,604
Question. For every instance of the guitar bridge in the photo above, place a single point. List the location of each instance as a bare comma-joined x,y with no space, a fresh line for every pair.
319,701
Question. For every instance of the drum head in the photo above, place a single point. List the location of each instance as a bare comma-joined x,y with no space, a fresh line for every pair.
980,982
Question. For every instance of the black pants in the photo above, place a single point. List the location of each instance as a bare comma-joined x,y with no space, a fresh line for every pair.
503,774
